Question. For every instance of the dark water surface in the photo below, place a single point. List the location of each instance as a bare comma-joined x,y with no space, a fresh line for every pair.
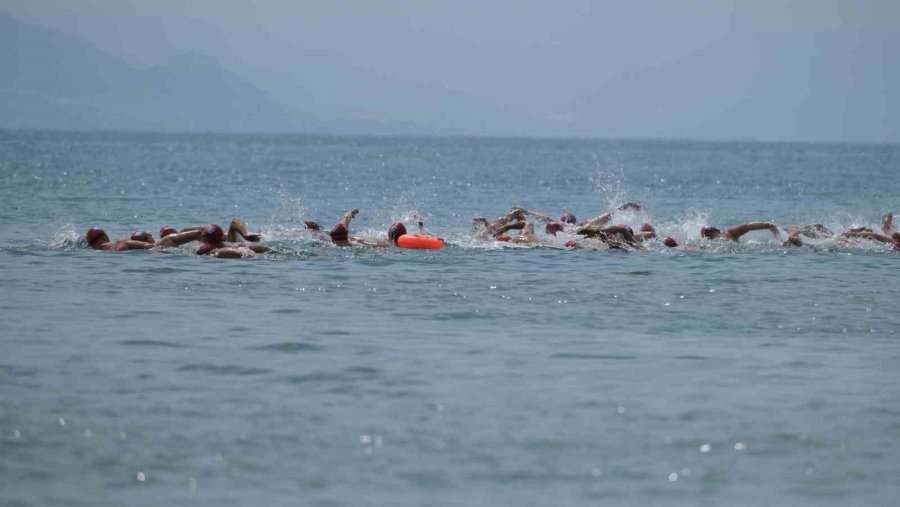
481,374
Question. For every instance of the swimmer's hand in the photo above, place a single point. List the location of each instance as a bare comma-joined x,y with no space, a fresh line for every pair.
630,205
253,237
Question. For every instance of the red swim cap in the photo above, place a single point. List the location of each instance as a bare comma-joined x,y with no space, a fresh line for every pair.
670,242
396,230
143,236
571,243
553,228
205,249
166,230
212,233
312,225
503,237
568,218
339,233
647,228
93,234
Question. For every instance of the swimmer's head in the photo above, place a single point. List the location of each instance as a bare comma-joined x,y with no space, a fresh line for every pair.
95,235
166,230
503,237
312,225
568,218
670,242
396,230
710,232
339,233
212,234
553,228
647,228
205,249
571,243
142,236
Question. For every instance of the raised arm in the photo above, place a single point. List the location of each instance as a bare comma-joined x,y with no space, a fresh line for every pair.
348,216
739,230
238,227
540,216
887,223
599,221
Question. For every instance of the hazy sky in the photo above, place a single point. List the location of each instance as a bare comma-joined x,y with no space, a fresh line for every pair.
817,70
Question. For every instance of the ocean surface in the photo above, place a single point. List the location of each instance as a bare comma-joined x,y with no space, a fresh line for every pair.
481,374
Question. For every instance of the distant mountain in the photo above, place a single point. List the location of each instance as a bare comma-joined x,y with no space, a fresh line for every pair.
52,80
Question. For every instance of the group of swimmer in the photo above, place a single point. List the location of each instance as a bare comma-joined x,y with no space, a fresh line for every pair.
620,236
596,234
216,242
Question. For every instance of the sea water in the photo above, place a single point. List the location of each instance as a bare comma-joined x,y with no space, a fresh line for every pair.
480,374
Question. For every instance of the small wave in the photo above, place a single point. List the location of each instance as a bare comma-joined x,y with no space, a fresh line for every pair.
152,343
291,347
228,369
575,355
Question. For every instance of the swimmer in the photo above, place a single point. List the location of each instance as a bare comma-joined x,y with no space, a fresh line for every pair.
647,232
811,231
672,243
873,236
735,233
611,235
212,243
568,221
340,233
98,240
398,229
494,228
235,228
142,240
526,235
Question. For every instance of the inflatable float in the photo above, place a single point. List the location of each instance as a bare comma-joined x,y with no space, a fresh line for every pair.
419,242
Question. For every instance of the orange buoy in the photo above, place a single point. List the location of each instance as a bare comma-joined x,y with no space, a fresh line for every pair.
419,242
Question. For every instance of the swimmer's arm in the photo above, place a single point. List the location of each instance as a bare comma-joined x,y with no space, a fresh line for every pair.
540,216
739,230
138,245
508,227
258,248
599,221
179,238
514,214
630,205
369,243
887,222
193,228
348,216
237,227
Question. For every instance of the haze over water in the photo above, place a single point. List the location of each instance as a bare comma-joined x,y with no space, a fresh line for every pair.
479,374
